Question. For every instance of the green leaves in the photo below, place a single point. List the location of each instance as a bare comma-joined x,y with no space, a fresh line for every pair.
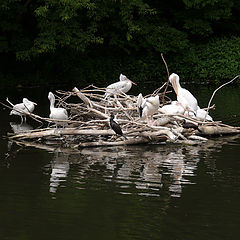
186,31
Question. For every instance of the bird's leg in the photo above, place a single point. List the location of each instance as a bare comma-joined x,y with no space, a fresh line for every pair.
113,137
151,121
21,120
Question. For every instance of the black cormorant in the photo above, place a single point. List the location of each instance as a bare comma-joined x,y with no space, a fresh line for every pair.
115,127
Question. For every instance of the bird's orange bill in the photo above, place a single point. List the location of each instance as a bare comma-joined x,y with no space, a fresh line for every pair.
132,82
175,86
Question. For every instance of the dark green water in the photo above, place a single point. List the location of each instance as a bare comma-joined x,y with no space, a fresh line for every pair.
141,192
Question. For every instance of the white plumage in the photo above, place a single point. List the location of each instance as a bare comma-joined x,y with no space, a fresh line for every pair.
150,106
140,103
20,109
187,100
124,85
56,113
201,114
174,108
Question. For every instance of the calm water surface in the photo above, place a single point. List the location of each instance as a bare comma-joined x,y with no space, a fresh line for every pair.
138,192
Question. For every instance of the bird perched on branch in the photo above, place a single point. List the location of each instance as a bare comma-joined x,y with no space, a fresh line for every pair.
187,100
115,127
124,85
202,115
140,103
150,106
20,109
56,112
174,108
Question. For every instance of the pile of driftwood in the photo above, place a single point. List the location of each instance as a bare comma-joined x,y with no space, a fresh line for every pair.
88,123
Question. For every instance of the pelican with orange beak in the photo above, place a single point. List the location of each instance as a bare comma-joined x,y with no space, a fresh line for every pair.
124,85
184,97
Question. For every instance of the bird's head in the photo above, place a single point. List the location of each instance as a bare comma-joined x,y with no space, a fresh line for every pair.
26,101
124,78
154,100
50,96
174,80
111,116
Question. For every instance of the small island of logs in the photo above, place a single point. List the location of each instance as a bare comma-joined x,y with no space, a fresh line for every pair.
88,123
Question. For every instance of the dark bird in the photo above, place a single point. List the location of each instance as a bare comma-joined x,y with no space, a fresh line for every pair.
115,127
188,125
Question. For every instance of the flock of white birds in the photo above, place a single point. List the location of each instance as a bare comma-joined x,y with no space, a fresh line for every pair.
186,103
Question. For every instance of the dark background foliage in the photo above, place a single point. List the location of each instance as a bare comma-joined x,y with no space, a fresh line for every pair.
93,41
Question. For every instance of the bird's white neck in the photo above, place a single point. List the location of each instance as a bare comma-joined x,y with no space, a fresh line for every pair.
52,102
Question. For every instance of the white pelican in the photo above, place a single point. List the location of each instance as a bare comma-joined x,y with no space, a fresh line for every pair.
150,106
174,108
201,114
20,109
124,85
56,113
140,103
188,101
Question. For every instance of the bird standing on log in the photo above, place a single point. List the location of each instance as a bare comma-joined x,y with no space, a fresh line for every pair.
56,112
188,101
150,106
124,85
115,127
20,108
140,103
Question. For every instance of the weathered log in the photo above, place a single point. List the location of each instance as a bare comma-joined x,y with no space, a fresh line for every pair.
85,99
217,130
91,120
195,137
50,148
56,132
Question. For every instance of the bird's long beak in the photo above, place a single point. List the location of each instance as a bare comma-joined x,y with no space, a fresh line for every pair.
175,86
34,103
132,82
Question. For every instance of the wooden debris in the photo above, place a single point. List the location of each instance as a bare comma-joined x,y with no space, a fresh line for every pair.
88,124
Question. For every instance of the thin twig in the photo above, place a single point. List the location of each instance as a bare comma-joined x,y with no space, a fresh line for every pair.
209,103
165,90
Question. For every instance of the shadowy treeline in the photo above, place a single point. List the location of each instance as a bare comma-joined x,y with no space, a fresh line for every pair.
93,41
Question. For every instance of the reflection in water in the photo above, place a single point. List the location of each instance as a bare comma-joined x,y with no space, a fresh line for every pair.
18,128
152,170
148,170
59,170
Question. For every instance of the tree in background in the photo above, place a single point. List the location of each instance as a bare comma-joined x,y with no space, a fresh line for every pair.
102,37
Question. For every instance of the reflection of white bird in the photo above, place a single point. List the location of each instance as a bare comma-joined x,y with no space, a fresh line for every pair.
20,109
188,101
56,113
19,128
124,85
150,106
60,168
174,108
